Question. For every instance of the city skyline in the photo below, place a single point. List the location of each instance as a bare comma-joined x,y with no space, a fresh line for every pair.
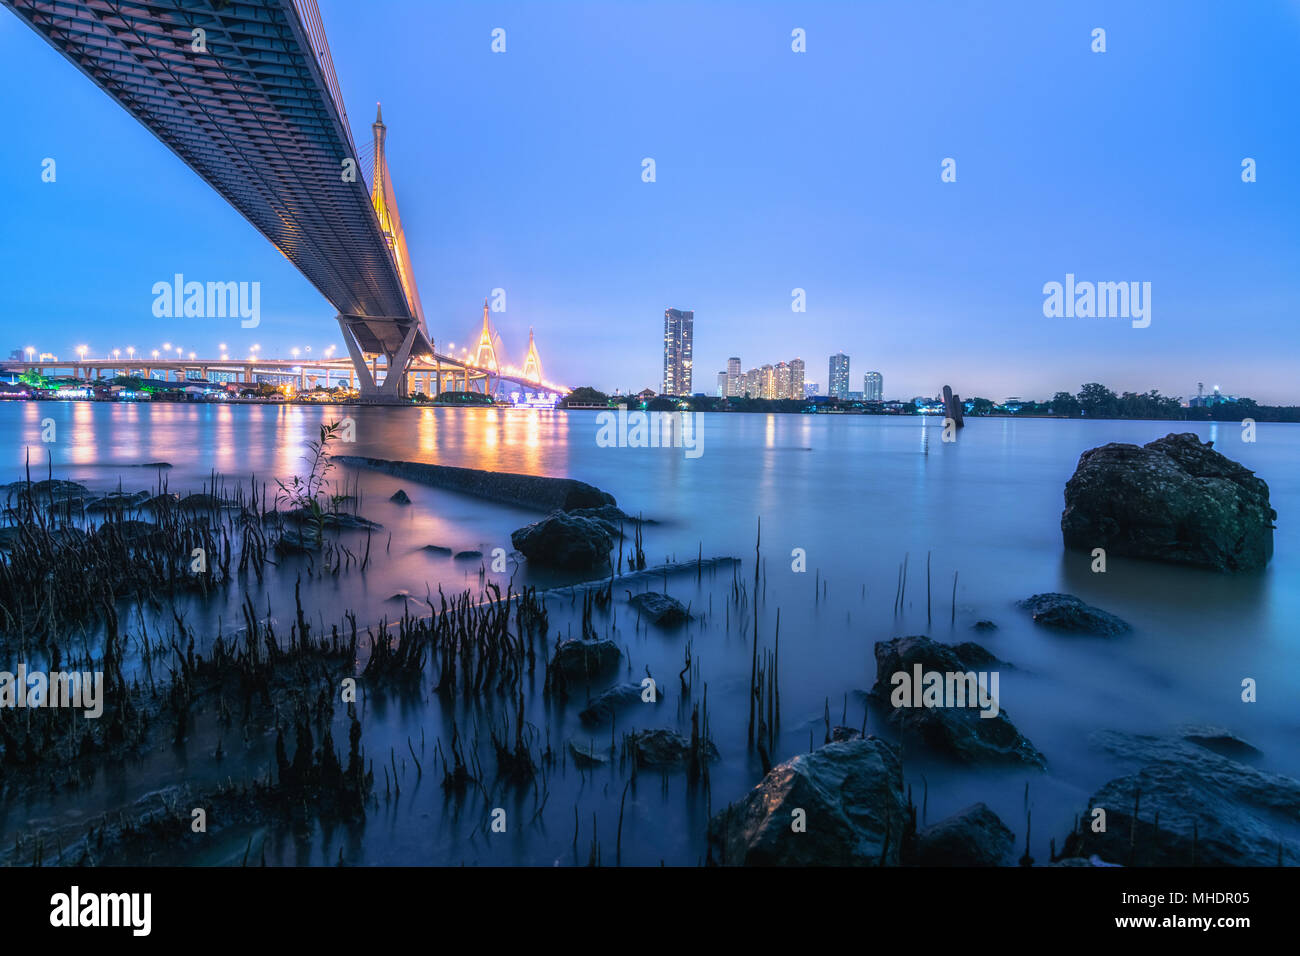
584,247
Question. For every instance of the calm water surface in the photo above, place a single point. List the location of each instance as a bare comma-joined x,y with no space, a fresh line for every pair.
858,494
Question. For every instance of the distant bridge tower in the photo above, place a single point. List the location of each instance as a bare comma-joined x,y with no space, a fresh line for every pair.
485,355
532,364
380,176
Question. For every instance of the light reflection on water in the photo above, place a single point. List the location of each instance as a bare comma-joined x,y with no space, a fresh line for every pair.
856,493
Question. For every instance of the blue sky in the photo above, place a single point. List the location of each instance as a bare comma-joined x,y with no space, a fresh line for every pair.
775,170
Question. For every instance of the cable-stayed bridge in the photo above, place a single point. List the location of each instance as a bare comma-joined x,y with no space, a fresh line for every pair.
244,92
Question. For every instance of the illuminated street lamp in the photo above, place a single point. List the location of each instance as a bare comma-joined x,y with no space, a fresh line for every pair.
167,346
294,352
117,353
155,353
130,351
81,351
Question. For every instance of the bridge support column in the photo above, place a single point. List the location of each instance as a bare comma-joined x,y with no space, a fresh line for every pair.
393,386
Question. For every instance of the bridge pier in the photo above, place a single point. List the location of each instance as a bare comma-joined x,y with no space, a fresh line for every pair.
393,388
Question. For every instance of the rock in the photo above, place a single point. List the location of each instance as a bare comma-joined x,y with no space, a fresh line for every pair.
851,794
957,732
400,497
297,541
586,754
1221,741
118,501
53,491
1174,499
619,697
345,521
1065,612
985,626
162,502
610,517
576,660
402,595
334,520
436,549
666,750
660,609
467,555
840,734
203,502
1214,811
132,531
564,541
973,837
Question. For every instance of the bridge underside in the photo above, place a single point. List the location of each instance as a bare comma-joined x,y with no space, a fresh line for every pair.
245,94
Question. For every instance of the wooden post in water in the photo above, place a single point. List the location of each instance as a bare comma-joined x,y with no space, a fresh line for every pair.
952,407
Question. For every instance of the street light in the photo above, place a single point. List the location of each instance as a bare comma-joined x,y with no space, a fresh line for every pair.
130,351
167,346
155,353
81,351
117,353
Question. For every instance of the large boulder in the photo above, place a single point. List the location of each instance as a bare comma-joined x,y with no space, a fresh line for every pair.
853,812
1174,499
1192,807
958,731
1065,612
973,837
564,541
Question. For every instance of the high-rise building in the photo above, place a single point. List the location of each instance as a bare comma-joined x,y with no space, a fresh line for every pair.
873,387
767,384
796,379
839,376
781,380
753,383
735,381
811,389
722,385
679,335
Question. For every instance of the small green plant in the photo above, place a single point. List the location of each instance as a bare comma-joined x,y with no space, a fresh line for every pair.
305,494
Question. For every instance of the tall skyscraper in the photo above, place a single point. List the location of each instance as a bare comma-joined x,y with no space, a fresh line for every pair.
781,380
679,335
753,383
722,385
767,385
873,387
735,382
796,379
839,376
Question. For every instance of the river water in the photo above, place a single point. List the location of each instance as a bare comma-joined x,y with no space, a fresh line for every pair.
858,494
